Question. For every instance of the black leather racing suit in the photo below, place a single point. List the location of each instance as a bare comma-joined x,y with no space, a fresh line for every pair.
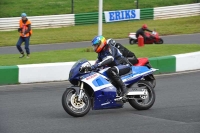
111,57
126,53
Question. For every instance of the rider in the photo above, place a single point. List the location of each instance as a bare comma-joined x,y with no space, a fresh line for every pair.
125,52
141,32
111,57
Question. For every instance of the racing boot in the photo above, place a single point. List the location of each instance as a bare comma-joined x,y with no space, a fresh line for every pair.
115,78
121,86
123,89
118,91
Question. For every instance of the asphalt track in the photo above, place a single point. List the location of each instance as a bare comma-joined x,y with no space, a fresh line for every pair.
174,39
37,108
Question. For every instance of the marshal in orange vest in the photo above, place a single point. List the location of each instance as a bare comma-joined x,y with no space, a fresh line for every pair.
24,27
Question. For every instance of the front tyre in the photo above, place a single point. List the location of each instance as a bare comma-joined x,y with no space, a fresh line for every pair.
74,107
143,102
132,41
160,41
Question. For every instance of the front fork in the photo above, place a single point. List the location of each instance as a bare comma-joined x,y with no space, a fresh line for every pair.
81,92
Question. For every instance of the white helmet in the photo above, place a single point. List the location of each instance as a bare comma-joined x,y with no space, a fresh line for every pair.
110,41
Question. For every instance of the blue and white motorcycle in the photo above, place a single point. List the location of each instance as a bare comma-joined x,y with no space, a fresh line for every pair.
92,89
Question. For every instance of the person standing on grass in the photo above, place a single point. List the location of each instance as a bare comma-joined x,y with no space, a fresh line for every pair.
25,34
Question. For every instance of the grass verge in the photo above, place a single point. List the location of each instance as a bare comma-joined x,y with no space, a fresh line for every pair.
79,53
110,30
13,8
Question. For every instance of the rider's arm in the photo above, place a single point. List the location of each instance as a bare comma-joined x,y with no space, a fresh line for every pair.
106,61
149,30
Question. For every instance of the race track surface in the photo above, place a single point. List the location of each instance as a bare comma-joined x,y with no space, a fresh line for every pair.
37,108
176,39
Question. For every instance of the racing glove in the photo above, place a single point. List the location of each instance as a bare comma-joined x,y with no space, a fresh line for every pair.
95,66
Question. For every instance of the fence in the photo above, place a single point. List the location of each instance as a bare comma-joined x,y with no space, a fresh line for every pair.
92,18
87,18
48,21
177,11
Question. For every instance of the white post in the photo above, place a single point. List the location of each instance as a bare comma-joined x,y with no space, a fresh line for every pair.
100,17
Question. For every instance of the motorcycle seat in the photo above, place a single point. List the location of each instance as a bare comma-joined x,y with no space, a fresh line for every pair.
141,61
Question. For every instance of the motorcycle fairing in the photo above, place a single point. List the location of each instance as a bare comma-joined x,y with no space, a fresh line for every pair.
137,73
105,92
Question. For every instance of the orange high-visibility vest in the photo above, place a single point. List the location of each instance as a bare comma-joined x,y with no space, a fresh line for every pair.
24,28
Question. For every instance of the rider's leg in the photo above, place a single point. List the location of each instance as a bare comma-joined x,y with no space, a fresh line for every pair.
137,35
114,76
116,86
133,60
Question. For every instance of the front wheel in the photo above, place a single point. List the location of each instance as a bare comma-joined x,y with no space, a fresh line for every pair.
74,107
132,41
160,41
143,102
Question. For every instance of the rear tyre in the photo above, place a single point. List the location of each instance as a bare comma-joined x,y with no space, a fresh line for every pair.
143,102
151,79
74,107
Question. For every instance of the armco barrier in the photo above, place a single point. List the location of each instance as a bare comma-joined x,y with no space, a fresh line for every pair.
92,18
177,11
39,21
87,18
60,71
147,13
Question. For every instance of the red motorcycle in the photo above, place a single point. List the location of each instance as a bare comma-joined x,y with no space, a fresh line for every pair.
154,38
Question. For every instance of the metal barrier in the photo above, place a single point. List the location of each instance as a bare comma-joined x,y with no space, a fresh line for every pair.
87,18
177,11
48,21
92,18
146,13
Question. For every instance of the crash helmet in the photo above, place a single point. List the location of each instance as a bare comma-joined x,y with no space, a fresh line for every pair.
111,42
23,15
99,42
144,26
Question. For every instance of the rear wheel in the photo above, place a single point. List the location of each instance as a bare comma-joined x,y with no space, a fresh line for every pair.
74,107
151,79
143,102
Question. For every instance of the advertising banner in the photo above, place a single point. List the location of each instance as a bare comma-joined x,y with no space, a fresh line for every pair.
121,15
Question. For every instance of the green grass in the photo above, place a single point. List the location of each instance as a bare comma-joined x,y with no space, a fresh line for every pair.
76,54
110,30
13,8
